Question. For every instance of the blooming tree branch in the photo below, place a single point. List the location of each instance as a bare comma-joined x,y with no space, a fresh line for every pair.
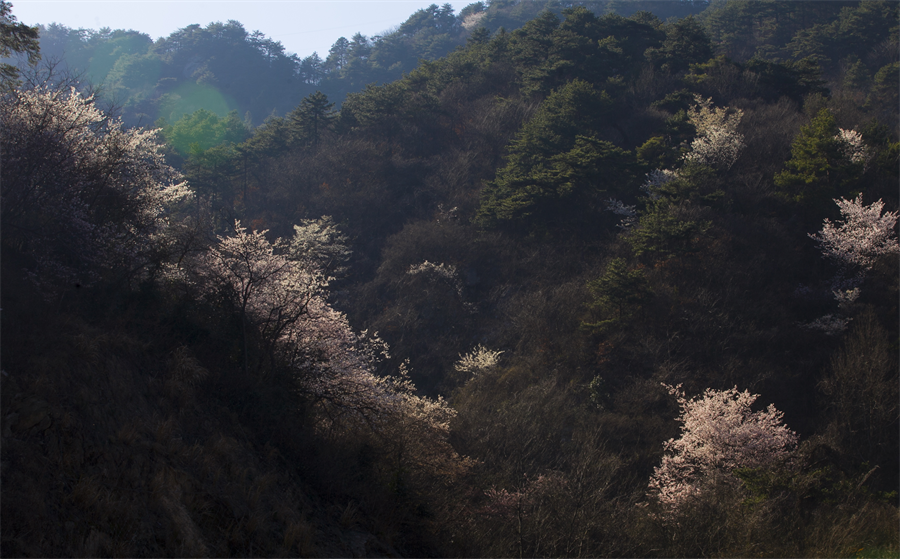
720,433
718,143
283,300
81,194
863,237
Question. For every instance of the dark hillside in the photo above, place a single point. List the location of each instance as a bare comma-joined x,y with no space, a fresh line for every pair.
596,285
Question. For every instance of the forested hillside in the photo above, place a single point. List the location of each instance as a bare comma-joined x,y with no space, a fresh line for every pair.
580,282
222,67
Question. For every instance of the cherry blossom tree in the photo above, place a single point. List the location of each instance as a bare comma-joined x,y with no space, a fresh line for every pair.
853,146
321,242
479,361
81,195
863,237
720,433
280,293
718,143
270,291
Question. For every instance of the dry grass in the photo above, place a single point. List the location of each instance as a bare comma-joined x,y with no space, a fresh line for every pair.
101,457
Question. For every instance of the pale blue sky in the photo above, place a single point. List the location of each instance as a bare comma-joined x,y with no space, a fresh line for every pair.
302,26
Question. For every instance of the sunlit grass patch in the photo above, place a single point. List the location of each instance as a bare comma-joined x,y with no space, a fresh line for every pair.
876,553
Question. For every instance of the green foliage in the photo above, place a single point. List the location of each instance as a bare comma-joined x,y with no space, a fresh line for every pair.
557,171
884,87
667,230
856,31
686,43
618,291
758,77
311,118
549,52
572,110
747,29
195,133
791,79
694,183
655,153
562,192
817,171
15,38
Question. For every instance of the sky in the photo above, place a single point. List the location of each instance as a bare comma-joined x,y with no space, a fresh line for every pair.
302,26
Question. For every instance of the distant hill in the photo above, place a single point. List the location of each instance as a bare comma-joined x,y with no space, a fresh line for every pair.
222,67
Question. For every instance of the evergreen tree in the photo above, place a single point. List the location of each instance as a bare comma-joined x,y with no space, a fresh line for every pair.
313,116
818,170
338,55
15,38
557,170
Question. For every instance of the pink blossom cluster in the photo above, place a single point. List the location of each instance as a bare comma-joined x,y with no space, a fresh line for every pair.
863,237
284,299
720,433
519,503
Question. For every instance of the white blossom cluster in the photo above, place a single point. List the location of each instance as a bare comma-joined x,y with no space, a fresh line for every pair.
80,192
863,237
655,180
718,143
479,361
472,20
705,117
619,208
443,272
846,296
446,271
853,146
720,433
283,299
320,244
628,213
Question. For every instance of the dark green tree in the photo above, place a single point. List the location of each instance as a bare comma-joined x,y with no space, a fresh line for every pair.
557,170
818,169
884,92
618,291
15,38
338,55
311,118
668,230
312,69
686,43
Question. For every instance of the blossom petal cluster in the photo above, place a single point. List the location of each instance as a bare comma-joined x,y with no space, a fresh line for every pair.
477,362
865,234
284,300
852,145
720,433
718,143
81,193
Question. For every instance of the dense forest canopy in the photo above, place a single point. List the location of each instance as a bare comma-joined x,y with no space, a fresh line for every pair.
534,279
222,67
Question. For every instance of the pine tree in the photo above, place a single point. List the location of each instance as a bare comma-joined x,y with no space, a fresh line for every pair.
311,118
15,38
